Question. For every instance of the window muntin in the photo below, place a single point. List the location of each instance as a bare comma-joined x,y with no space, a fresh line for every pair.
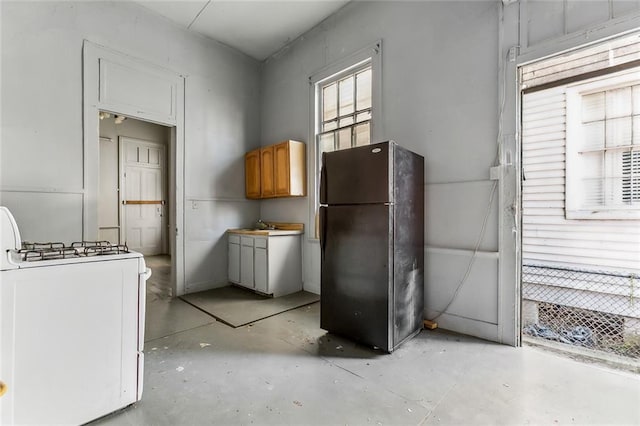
603,143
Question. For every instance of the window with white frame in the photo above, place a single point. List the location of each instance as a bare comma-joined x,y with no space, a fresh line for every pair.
603,148
345,111
344,99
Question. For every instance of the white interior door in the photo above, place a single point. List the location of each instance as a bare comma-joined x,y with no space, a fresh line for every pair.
143,177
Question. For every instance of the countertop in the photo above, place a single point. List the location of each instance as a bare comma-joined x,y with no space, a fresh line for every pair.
266,232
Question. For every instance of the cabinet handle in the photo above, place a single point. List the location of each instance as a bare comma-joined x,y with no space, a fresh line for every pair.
3,388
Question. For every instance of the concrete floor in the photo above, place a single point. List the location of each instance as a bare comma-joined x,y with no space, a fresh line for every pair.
286,370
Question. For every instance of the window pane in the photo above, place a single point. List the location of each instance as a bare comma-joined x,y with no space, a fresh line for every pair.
347,121
619,132
593,136
329,102
636,130
362,134
330,125
593,107
363,116
344,138
636,99
612,164
346,96
325,144
613,178
619,102
591,168
363,86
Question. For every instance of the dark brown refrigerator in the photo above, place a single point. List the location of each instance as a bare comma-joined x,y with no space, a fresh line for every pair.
372,244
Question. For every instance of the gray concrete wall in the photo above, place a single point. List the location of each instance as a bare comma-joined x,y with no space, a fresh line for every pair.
449,93
444,70
439,99
41,121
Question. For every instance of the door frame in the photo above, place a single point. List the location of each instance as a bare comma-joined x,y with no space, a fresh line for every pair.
515,52
122,194
100,194
93,56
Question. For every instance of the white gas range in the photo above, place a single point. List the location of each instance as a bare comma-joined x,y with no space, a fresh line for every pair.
71,329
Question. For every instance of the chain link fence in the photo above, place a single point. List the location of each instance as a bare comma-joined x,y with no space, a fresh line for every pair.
592,309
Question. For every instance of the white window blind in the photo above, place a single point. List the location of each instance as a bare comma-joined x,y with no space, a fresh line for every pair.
631,177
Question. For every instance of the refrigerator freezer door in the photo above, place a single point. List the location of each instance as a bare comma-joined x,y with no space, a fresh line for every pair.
356,273
357,175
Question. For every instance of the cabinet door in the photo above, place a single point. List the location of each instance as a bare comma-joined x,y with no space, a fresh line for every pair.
261,271
252,173
281,169
266,172
234,263
246,266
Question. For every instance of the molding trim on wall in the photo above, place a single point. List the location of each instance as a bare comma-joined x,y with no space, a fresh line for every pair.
76,191
462,252
473,327
203,285
461,182
220,199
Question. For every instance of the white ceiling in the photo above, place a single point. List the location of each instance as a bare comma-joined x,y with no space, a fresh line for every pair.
258,28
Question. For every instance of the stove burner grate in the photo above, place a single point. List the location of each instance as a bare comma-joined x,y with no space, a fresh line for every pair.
32,252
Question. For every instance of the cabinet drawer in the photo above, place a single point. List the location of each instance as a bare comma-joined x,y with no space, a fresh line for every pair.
261,242
235,239
247,241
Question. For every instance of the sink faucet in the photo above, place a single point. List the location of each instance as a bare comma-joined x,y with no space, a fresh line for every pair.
264,225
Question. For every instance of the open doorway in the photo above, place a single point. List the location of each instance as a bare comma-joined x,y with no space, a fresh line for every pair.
581,199
133,199
127,86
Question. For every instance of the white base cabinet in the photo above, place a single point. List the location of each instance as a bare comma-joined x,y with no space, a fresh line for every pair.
246,262
234,260
270,265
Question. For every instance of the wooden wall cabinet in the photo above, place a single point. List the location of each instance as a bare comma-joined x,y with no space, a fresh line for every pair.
266,172
281,170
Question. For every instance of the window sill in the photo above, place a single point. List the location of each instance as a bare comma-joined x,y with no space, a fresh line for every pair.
604,214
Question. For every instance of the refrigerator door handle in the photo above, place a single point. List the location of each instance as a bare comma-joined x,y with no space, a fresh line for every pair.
323,230
323,182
